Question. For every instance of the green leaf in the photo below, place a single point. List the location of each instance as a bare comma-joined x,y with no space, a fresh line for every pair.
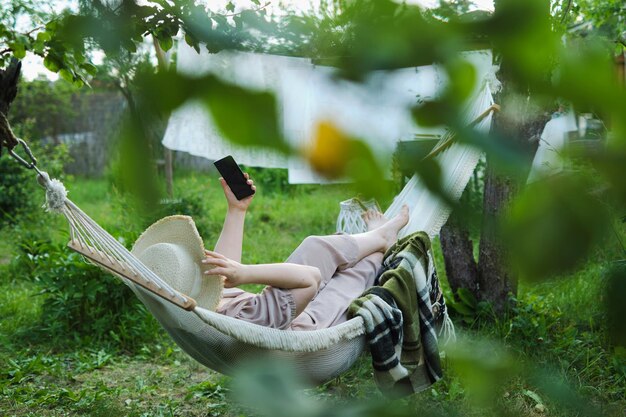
462,77
166,42
19,50
431,113
44,36
89,68
533,396
246,117
553,225
230,7
51,63
66,75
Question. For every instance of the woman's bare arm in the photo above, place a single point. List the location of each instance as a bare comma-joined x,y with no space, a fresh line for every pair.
280,275
230,241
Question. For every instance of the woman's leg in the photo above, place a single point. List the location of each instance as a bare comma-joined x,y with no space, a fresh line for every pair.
327,253
338,252
382,233
330,305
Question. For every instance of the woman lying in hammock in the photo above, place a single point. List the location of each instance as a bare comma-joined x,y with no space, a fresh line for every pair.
316,284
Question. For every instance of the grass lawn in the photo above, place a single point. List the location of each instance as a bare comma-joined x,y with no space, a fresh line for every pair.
558,328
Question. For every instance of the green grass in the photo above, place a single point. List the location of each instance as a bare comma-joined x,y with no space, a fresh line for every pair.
559,327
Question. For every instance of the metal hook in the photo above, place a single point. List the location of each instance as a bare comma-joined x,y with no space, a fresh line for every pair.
33,161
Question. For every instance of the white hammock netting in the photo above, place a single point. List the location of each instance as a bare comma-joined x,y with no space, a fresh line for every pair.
220,342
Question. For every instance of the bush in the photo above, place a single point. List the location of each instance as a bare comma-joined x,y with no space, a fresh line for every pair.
272,180
18,186
82,303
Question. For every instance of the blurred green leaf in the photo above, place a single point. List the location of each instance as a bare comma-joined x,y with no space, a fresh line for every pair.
431,113
134,170
552,226
166,42
462,78
483,368
19,49
44,36
246,117
258,381
66,75
51,63
89,68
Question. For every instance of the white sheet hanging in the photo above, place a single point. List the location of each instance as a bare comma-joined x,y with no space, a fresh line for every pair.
548,160
376,111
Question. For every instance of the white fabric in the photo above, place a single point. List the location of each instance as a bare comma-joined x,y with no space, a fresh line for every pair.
548,160
376,111
428,212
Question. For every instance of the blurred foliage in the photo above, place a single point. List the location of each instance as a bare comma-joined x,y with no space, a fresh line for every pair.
551,228
18,186
545,213
271,180
49,108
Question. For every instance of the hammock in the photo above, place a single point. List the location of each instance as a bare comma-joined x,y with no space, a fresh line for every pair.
221,342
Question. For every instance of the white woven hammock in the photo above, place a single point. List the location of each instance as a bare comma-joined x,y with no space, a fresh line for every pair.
222,342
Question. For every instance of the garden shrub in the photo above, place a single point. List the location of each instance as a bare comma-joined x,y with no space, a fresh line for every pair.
18,187
82,303
272,180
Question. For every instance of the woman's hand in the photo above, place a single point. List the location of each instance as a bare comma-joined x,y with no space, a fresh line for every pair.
233,203
232,271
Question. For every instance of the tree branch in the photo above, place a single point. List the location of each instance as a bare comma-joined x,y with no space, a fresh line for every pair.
30,32
258,9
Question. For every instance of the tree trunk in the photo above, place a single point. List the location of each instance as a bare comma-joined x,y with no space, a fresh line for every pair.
491,279
8,85
495,280
8,90
458,254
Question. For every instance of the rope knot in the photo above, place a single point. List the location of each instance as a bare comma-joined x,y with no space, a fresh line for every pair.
56,194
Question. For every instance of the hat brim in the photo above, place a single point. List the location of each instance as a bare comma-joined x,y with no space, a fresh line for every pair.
181,230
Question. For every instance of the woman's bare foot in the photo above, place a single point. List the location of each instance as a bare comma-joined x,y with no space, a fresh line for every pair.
382,233
390,229
374,219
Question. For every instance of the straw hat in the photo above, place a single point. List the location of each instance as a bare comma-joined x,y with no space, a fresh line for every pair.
172,249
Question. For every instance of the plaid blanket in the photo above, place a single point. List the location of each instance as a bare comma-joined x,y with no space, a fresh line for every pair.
400,319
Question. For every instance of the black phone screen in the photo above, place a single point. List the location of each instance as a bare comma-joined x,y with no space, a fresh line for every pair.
234,177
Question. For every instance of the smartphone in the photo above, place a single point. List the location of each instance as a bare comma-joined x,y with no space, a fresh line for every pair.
234,177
